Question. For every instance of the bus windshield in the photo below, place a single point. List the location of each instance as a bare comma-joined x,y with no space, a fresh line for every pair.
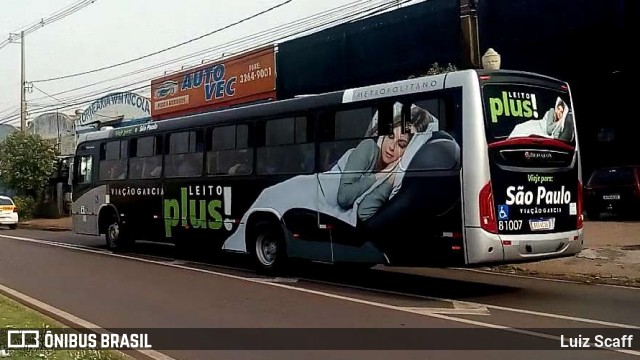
518,110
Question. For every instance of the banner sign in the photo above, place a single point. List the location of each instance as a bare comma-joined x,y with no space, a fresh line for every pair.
245,78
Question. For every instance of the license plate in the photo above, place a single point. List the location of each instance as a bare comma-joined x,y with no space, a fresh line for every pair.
611,197
542,224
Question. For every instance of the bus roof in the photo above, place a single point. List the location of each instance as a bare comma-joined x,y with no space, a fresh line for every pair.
303,102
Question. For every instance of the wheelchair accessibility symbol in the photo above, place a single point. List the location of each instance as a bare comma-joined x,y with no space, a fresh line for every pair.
503,212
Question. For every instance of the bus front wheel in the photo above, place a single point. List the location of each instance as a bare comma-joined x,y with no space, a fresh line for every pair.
269,248
116,239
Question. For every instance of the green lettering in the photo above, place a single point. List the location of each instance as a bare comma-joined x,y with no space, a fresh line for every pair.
214,205
199,222
496,109
505,101
528,111
171,213
183,203
516,107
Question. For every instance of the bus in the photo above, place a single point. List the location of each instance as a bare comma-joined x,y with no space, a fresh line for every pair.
468,168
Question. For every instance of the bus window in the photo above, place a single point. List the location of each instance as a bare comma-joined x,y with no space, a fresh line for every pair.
230,153
113,160
288,147
145,161
518,110
343,130
83,170
185,157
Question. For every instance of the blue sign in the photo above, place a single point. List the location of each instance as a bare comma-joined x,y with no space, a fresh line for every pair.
503,212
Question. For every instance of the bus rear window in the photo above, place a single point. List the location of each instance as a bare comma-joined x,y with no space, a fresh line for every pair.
515,110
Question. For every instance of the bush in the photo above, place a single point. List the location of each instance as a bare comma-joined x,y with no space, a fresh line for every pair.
26,207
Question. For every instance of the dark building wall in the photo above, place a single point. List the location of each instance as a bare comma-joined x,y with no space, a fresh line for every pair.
580,41
584,42
381,48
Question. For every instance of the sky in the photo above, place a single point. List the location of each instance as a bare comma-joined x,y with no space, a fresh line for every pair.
108,32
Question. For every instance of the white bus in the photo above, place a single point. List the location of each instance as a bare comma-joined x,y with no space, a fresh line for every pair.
460,169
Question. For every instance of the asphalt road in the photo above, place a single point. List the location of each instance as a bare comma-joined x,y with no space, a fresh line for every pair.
151,288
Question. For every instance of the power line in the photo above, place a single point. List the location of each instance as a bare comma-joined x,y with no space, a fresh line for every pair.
356,15
315,22
89,97
226,47
166,49
58,15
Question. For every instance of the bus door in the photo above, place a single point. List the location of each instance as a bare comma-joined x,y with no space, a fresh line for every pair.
84,208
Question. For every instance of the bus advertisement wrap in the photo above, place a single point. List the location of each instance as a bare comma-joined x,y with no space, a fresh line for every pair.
245,78
371,190
531,129
370,175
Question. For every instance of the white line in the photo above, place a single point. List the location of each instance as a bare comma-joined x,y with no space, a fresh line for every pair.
25,299
360,301
258,280
495,307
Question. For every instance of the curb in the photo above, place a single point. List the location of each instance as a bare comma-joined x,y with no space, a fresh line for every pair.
74,322
41,227
584,278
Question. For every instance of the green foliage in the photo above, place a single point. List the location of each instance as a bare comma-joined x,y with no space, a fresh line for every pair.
437,69
26,207
26,162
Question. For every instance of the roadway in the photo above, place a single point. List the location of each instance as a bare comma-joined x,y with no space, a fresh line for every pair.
151,288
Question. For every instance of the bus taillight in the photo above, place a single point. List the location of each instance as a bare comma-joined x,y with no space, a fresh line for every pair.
580,217
487,212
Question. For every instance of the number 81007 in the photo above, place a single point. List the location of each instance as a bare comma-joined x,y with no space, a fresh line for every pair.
510,225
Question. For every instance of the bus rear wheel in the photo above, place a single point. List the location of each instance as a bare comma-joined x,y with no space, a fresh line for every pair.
269,248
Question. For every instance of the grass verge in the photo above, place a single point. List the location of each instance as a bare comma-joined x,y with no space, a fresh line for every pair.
17,316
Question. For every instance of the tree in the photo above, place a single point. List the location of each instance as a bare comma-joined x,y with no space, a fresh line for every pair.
26,162
437,69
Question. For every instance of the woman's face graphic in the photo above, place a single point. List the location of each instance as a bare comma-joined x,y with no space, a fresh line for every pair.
559,112
393,146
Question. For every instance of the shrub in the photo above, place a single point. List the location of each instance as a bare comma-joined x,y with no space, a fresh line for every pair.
26,207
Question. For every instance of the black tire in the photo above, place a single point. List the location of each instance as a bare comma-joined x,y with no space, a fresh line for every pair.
116,238
269,248
13,226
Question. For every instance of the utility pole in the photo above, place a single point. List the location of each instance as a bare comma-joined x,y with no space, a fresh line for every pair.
470,36
23,89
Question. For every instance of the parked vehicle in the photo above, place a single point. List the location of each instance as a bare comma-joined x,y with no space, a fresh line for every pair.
613,190
8,212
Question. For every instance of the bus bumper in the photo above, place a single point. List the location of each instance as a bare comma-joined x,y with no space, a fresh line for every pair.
521,248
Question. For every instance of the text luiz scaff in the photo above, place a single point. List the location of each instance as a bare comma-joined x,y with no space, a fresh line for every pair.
47,339
598,341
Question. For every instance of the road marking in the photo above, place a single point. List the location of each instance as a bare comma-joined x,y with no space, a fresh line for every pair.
275,280
362,301
262,280
459,308
42,307
489,306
